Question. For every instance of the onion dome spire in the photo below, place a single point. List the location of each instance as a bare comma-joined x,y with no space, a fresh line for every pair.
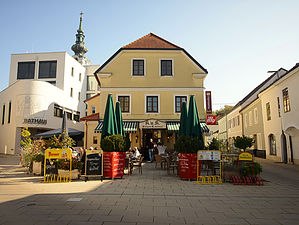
79,47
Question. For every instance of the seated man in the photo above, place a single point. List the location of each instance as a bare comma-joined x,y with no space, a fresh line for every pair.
161,149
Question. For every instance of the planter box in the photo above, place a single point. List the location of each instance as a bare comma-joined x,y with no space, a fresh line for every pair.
188,166
114,164
66,173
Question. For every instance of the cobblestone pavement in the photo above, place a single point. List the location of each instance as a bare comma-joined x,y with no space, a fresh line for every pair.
151,198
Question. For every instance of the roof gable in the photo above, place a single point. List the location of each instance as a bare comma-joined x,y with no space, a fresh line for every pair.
151,41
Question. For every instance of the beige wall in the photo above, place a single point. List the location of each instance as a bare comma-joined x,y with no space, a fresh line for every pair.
253,124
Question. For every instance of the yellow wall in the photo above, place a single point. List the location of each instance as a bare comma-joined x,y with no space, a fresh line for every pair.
121,81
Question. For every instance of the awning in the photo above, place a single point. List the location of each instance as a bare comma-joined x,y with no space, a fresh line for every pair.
51,133
175,126
129,126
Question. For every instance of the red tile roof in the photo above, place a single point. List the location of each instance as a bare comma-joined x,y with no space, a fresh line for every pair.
92,117
151,41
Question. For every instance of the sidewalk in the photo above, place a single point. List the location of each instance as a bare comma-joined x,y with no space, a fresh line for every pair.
151,198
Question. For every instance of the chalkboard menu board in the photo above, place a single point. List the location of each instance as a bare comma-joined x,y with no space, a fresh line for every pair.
51,167
93,163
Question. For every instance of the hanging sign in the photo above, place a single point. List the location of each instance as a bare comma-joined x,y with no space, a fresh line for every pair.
211,120
245,156
208,102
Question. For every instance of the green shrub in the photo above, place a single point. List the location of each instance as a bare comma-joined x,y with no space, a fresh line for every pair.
214,145
243,142
113,143
186,144
250,169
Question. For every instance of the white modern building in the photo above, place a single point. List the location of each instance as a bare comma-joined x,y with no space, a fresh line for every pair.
41,87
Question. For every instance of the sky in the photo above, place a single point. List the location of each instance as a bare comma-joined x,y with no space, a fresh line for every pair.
237,41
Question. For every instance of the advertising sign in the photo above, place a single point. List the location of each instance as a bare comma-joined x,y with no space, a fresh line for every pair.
152,124
208,102
245,156
211,120
213,155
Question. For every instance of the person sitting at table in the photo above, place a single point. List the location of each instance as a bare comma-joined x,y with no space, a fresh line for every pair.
161,149
136,153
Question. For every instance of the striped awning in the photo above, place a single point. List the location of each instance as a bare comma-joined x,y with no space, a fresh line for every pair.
175,126
129,126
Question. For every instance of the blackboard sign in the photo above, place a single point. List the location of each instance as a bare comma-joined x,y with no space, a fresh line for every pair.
93,163
51,167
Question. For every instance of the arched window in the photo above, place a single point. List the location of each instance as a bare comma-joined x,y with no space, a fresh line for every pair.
272,144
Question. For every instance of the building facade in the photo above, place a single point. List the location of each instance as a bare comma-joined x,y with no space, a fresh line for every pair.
280,104
150,77
42,86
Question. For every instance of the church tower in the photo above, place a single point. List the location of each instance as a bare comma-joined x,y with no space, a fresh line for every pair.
79,47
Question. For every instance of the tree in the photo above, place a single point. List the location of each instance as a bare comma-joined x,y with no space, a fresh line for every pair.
224,111
214,144
62,141
243,142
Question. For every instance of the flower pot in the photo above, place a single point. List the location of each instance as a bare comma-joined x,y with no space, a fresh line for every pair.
188,166
37,168
114,164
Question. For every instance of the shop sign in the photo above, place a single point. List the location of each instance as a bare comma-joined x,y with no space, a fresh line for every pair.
245,156
152,124
208,155
64,153
208,102
35,121
211,120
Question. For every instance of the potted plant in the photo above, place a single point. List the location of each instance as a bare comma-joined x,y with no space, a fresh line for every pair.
64,167
187,148
114,150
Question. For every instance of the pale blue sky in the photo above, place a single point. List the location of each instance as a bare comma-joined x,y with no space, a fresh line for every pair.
238,41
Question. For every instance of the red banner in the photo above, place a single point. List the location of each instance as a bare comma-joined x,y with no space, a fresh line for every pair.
211,120
114,163
208,102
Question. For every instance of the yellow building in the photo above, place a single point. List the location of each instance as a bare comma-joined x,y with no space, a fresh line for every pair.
150,77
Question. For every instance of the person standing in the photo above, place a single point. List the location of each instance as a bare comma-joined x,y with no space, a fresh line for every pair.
151,150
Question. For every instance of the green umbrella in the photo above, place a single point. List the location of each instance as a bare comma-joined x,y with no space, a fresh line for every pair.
109,123
183,119
119,119
193,124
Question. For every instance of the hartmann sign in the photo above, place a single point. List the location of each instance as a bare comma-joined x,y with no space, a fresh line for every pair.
35,121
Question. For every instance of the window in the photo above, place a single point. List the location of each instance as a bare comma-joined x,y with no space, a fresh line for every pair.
178,103
52,82
151,104
77,116
272,144
26,70
90,83
278,107
166,67
69,115
88,96
268,110
58,111
80,76
245,120
255,116
95,140
71,93
47,69
3,114
238,120
124,103
93,109
72,73
250,118
286,100
9,112
79,95
138,67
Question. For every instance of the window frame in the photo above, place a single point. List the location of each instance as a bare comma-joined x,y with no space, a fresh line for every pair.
132,67
172,67
3,114
9,112
29,70
49,75
129,105
286,100
175,105
268,111
158,104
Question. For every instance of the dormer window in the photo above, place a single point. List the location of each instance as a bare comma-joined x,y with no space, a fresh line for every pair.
138,67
